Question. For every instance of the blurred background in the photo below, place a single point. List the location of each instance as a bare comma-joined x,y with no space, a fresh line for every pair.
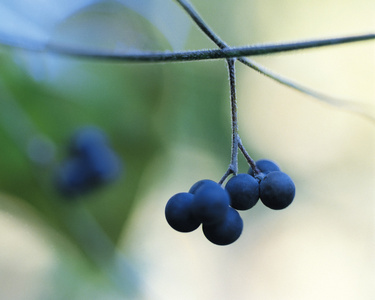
170,126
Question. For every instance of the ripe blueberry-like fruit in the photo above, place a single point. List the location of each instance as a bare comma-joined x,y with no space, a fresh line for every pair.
265,166
210,203
243,190
198,184
178,213
277,190
226,231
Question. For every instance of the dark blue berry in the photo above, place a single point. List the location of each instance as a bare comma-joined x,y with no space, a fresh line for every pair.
265,166
243,190
225,232
198,184
87,138
277,190
178,213
102,163
210,203
73,178
92,163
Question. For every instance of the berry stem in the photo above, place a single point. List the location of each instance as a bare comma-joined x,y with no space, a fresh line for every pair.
225,176
250,161
233,166
233,105
236,140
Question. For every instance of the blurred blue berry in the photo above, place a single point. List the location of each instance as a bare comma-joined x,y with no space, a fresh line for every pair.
73,178
91,163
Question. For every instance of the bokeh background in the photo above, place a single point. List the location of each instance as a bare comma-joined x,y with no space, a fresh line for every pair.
170,125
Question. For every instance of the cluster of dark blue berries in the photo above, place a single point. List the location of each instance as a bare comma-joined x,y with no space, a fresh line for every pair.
91,163
215,207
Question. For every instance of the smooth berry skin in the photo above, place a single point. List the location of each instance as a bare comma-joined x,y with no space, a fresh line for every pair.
225,232
210,203
178,213
199,184
243,190
265,166
277,190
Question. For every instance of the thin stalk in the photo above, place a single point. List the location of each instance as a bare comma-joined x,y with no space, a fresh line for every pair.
249,160
179,56
189,9
233,106
236,140
233,166
225,176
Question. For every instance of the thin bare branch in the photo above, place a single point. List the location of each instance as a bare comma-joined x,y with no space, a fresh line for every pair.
195,55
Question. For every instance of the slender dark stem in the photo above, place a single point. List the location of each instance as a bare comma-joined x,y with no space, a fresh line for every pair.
233,105
233,166
189,9
236,140
250,161
225,176
196,55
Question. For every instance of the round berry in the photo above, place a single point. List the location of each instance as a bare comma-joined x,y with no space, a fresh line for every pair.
87,138
225,232
198,184
102,162
277,190
73,178
243,190
265,166
210,202
178,213
92,163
